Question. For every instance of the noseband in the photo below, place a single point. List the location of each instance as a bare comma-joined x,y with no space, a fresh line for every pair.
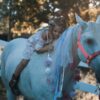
88,57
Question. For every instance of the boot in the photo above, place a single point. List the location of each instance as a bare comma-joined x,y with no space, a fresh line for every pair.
14,80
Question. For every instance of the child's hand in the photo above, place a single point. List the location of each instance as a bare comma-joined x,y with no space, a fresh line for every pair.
38,51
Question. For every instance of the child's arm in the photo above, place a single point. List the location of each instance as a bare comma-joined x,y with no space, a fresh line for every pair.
46,48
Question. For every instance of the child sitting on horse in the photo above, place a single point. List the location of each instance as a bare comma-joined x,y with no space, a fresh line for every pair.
40,42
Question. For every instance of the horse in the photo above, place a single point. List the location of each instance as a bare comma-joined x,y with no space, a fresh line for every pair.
44,79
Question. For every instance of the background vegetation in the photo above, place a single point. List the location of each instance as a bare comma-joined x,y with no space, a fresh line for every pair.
22,17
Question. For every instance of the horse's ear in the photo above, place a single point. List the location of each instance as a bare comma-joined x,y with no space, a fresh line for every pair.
83,25
98,19
78,19
81,22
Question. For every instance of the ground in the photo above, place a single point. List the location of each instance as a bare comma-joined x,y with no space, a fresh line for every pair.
87,76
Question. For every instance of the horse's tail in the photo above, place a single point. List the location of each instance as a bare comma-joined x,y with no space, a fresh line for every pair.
2,45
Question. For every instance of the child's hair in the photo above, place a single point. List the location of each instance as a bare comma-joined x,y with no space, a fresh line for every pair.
58,21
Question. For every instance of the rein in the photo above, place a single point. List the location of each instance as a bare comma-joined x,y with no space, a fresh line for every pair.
88,57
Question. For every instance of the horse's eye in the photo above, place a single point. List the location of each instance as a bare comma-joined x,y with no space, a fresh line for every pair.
90,41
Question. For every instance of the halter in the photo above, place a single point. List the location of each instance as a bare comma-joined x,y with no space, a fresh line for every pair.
88,57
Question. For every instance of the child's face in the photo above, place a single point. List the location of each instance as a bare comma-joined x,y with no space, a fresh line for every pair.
57,30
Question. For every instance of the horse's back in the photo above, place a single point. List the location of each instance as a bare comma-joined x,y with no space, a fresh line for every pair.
33,77
11,56
13,46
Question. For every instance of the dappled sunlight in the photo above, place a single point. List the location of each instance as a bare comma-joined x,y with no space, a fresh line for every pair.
23,18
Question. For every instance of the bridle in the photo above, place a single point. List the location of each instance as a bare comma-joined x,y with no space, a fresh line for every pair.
88,57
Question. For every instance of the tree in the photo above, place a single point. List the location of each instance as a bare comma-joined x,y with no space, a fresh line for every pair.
37,11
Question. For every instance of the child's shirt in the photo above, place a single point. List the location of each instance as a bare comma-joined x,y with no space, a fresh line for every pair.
35,42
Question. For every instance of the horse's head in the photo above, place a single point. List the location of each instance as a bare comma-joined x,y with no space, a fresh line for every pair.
89,44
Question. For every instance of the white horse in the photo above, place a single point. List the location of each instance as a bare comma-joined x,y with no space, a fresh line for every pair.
35,82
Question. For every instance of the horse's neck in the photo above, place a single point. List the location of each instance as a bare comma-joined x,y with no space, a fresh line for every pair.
71,41
74,45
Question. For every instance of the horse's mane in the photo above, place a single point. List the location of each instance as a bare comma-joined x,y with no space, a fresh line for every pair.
64,47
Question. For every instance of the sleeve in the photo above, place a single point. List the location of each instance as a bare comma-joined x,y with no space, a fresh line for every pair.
34,38
41,41
39,44
36,41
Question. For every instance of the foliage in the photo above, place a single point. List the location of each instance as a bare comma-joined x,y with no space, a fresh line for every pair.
37,11
31,10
